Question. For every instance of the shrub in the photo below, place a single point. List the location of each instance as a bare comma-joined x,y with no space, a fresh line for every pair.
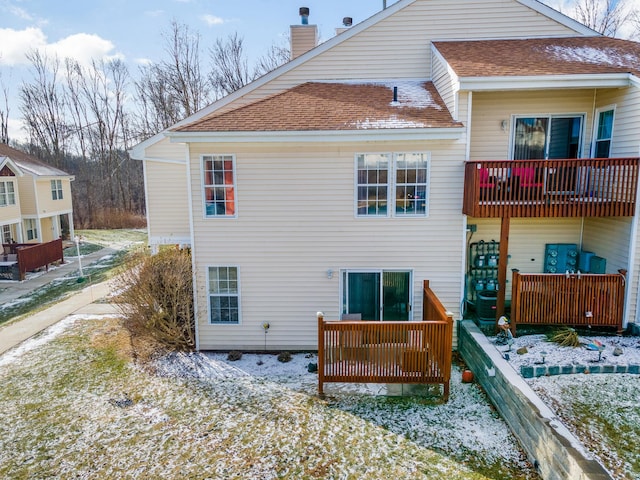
565,337
157,296
234,356
284,357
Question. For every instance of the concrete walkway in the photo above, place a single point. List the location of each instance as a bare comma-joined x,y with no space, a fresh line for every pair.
12,290
15,333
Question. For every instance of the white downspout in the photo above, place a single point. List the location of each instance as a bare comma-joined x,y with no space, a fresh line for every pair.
464,253
193,251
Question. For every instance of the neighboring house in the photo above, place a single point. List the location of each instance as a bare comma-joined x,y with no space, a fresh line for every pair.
343,179
35,199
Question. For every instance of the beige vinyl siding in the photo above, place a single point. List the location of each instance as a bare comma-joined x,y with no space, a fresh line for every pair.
167,202
26,184
46,204
445,82
399,46
296,220
613,236
11,213
490,142
626,128
166,150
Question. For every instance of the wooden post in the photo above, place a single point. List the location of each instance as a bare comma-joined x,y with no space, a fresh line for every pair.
320,353
502,266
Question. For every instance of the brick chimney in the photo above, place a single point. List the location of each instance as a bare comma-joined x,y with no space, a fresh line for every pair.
304,37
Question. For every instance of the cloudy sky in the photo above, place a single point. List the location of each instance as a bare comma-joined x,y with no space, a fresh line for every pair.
131,29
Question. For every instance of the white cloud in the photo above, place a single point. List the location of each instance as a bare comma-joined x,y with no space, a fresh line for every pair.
14,44
83,47
211,20
16,130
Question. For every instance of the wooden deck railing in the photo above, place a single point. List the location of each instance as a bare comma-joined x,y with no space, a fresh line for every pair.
568,299
584,187
31,256
387,351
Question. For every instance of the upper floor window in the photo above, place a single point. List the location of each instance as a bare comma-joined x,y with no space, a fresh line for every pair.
392,184
603,133
7,194
56,189
224,295
219,185
550,136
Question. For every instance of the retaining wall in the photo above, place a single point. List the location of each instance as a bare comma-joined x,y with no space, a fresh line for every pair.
551,447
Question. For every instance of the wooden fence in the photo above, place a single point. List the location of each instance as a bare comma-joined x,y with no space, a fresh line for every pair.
568,299
31,256
388,351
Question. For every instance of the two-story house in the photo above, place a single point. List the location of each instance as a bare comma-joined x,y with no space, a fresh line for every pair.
374,161
35,199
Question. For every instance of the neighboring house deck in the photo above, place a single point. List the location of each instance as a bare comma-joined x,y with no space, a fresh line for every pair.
35,208
342,180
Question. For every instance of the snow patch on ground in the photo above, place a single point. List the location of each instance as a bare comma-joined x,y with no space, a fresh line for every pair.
554,354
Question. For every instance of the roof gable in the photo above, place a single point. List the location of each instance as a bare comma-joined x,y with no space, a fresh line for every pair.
30,164
255,88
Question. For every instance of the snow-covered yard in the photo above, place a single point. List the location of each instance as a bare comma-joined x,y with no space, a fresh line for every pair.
72,403
602,409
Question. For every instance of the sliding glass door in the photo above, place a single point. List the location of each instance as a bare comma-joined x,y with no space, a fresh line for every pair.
538,138
377,295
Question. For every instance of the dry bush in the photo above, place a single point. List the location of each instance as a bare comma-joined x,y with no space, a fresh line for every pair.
157,297
112,218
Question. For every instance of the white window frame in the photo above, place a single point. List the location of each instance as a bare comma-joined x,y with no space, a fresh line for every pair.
31,228
6,234
56,190
7,193
212,213
392,185
550,116
224,294
596,127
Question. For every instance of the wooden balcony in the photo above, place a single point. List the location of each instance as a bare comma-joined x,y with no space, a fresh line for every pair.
388,351
584,187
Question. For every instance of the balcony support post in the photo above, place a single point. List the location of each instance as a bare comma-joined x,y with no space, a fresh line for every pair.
502,266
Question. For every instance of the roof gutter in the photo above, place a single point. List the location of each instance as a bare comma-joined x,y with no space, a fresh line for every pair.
603,80
325,136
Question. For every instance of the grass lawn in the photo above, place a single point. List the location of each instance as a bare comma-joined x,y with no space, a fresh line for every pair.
77,406
603,411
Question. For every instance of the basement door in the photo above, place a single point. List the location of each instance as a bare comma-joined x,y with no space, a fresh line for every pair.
378,294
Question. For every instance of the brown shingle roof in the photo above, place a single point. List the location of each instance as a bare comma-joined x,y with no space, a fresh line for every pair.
541,56
30,164
335,106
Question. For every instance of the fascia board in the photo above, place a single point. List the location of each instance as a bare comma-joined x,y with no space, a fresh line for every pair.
449,133
616,80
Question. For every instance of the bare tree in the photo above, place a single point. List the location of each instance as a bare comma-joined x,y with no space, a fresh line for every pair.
174,88
275,56
231,70
43,108
4,115
603,16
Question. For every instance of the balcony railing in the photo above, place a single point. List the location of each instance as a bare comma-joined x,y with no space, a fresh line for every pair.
387,351
584,187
